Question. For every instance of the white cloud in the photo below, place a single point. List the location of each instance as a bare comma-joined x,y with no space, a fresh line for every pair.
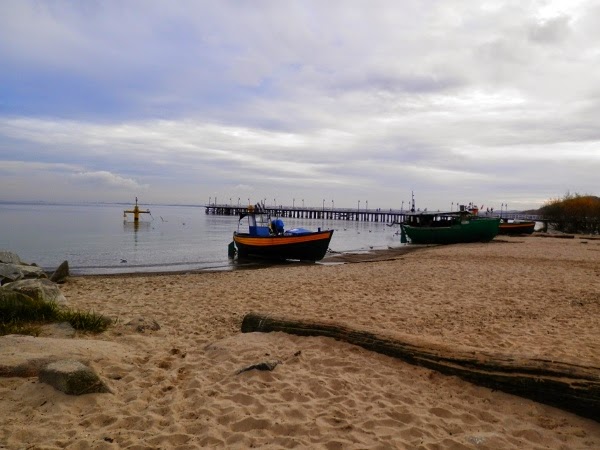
196,99
103,178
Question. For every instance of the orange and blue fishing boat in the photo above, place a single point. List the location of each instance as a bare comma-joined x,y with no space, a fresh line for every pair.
268,239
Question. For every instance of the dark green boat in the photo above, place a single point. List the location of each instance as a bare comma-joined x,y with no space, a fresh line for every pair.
449,227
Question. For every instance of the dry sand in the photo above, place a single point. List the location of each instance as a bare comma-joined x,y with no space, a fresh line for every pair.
178,387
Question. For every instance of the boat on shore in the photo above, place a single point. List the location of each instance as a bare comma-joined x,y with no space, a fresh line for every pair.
449,227
267,239
516,227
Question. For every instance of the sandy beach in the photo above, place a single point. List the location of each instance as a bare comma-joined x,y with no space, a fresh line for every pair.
180,386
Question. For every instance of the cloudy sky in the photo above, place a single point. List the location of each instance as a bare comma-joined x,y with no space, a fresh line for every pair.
335,102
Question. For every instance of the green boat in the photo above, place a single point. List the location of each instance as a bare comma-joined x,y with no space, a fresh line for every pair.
449,227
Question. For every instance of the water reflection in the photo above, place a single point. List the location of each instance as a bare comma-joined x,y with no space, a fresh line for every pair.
135,226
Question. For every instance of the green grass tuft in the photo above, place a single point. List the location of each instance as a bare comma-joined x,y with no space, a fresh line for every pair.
86,321
20,314
29,329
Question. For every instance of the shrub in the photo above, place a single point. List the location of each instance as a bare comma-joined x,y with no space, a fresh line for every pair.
574,213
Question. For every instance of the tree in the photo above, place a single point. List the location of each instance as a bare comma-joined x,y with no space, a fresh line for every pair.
574,213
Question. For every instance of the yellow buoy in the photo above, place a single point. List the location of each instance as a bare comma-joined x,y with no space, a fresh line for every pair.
136,211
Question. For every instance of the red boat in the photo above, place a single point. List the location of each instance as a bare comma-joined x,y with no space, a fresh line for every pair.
516,227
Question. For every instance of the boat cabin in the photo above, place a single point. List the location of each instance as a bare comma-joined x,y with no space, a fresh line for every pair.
261,225
437,219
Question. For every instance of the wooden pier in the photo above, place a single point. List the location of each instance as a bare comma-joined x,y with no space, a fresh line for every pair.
347,214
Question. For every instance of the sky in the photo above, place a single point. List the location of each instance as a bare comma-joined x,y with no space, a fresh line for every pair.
341,103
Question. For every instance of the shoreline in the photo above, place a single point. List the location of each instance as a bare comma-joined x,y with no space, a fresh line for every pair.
358,256
372,255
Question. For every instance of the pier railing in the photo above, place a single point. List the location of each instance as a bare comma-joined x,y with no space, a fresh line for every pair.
348,214
362,215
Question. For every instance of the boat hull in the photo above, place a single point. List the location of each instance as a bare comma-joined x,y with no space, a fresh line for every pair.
476,230
305,247
516,228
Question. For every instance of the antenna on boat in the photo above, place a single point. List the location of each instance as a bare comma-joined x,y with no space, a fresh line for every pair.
412,207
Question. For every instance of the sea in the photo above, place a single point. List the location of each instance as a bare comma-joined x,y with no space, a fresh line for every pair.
96,239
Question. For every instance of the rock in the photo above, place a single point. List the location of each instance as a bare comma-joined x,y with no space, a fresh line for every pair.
57,330
61,273
32,271
25,356
38,289
72,377
141,324
12,268
10,258
12,272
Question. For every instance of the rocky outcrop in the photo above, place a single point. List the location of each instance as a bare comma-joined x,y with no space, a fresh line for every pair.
57,362
13,272
10,258
40,289
12,268
72,377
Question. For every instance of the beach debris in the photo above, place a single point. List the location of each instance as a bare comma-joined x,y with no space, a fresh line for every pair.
72,377
571,387
61,273
265,365
38,289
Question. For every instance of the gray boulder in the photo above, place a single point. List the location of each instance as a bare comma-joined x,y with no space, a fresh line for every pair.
12,272
12,268
61,273
10,258
38,289
72,377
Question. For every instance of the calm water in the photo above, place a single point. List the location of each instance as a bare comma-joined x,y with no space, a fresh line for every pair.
95,239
